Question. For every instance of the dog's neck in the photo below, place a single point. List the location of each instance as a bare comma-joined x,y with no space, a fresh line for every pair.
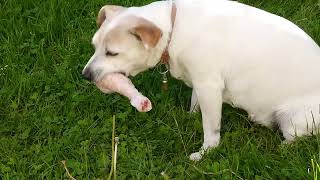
165,55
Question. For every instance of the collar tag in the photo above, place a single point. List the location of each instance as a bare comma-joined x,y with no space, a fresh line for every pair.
163,69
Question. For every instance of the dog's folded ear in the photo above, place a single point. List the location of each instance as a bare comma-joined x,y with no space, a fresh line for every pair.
147,32
108,12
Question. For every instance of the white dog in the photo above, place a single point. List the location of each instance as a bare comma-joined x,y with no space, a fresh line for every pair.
227,51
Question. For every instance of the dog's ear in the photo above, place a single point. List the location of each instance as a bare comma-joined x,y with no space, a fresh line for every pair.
108,12
147,32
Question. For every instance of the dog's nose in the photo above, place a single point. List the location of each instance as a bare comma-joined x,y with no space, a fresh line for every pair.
87,74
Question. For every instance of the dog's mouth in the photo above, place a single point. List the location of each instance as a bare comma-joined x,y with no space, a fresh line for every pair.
119,72
123,73
101,75
99,82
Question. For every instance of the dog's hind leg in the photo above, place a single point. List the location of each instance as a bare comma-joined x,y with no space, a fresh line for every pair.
298,118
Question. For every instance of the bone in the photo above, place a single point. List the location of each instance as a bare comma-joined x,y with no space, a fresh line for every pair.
116,82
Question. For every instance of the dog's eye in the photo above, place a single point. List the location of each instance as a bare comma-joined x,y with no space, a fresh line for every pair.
108,53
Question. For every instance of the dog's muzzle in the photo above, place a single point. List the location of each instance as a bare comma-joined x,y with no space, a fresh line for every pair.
87,74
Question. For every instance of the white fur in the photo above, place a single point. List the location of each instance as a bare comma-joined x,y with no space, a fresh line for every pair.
252,59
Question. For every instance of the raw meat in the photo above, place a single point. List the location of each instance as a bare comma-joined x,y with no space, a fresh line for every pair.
116,82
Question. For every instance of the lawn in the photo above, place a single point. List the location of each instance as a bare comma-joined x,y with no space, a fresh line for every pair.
48,113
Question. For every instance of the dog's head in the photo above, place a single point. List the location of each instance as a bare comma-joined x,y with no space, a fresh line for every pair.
124,43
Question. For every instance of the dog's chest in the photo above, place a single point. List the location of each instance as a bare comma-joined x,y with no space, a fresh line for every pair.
185,79
178,71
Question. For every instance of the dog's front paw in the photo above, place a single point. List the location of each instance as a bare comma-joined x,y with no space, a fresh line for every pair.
205,147
195,156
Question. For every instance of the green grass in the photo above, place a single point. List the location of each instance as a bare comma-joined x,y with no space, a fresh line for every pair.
48,113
